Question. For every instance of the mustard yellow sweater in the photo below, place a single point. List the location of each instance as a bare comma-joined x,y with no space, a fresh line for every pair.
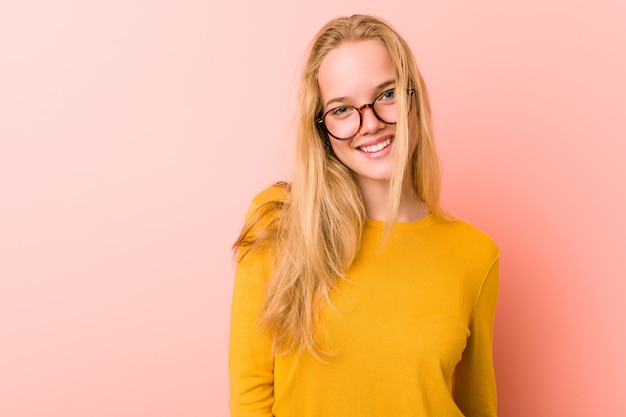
412,333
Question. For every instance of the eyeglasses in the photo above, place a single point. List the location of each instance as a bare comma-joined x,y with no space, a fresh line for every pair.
344,122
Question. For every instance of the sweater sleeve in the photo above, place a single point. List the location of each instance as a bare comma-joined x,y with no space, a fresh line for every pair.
475,385
251,367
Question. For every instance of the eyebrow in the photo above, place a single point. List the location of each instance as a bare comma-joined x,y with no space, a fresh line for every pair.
379,87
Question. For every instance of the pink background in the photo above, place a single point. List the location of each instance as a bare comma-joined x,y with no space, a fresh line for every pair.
133,135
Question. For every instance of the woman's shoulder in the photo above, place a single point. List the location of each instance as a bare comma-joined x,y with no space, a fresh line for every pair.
276,193
465,235
263,221
266,205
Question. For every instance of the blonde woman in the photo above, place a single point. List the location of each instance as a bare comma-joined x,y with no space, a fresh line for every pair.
355,294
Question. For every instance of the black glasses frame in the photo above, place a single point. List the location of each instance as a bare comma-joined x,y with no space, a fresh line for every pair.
320,120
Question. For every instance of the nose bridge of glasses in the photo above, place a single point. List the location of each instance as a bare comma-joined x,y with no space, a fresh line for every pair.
365,107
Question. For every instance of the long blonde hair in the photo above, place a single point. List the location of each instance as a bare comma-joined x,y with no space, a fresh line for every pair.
314,235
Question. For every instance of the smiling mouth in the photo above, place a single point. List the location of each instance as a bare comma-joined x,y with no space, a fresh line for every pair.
376,148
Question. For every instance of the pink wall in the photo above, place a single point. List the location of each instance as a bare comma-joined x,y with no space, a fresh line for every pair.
133,135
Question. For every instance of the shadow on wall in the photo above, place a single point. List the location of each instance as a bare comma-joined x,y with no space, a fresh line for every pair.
544,337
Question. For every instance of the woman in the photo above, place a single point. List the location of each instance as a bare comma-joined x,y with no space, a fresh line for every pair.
355,294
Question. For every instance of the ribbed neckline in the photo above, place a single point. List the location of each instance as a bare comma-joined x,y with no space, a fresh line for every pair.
417,224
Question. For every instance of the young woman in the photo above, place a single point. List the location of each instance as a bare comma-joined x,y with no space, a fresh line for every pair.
355,294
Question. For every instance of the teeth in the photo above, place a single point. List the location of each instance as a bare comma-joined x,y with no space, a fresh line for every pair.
376,148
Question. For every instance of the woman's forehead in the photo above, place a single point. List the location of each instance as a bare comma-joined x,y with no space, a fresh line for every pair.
355,69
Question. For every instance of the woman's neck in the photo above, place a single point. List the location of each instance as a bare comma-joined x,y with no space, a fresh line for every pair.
376,195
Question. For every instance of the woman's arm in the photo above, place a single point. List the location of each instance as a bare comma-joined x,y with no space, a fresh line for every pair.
250,363
475,384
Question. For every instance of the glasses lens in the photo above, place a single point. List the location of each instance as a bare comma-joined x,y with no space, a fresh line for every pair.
385,107
343,122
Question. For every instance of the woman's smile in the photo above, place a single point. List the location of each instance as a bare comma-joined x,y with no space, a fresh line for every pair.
375,148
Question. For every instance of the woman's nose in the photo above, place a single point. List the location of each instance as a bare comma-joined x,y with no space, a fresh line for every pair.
370,123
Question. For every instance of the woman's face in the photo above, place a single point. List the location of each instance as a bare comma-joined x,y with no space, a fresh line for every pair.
354,74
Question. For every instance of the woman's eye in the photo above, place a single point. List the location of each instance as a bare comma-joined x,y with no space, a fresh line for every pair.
340,111
388,95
